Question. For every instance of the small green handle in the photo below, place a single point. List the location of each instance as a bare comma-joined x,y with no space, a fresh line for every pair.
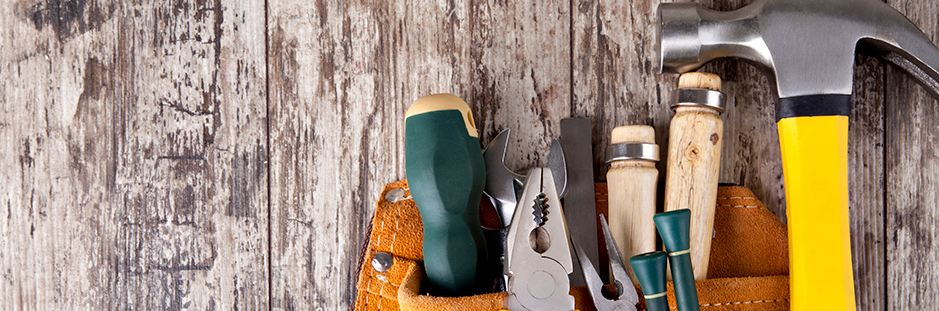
650,272
446,176
674,227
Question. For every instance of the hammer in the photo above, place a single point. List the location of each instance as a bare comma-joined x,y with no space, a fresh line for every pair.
806,48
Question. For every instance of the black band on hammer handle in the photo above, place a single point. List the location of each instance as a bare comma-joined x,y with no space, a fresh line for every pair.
813,106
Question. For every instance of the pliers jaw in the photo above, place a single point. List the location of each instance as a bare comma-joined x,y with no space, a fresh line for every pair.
626,296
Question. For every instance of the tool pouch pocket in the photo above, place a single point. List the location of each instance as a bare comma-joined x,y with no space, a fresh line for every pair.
748,265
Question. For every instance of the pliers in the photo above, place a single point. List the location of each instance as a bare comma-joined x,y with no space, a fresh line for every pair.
626,297
538,257
504,188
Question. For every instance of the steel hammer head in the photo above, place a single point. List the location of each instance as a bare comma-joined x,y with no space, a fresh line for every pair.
806,47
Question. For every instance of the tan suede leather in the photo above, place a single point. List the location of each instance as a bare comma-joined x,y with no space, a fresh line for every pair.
748,269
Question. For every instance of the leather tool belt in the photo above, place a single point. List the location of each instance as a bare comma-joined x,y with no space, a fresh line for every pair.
749,265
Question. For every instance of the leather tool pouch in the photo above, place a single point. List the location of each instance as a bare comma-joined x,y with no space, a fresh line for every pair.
749,266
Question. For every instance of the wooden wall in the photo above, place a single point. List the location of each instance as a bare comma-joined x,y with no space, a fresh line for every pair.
226,154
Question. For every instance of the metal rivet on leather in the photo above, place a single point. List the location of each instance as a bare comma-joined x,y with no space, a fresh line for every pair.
394,195
382,262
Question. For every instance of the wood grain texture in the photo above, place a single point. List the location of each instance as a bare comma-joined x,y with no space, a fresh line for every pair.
134,175
134,172
912,180
866,177
911,196
333,137
693,155
521,52
614,81
699,80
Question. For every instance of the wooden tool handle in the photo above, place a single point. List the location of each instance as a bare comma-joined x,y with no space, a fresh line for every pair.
694,152
446,174
632,185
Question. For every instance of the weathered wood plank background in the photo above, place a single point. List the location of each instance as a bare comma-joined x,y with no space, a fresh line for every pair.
226,154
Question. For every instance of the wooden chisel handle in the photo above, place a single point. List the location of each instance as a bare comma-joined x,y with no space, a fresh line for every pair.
632,181
694,153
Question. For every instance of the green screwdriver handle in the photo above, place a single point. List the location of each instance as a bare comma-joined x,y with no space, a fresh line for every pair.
674,228
446,175
650,272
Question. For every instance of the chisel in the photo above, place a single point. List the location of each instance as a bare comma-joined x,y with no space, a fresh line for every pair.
446,175
694,155
632,180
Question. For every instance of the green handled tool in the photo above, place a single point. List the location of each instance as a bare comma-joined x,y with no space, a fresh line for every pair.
674,228
650,272
446,175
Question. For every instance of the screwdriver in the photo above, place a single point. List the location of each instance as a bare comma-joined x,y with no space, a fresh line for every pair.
674,227
650,273
446,175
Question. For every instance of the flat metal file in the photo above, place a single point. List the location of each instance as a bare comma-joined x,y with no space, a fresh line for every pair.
579,197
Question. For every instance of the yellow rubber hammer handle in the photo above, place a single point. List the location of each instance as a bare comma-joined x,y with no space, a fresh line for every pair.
815,168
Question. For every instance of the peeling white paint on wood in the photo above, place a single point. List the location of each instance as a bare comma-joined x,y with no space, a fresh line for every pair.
134,172
141,140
